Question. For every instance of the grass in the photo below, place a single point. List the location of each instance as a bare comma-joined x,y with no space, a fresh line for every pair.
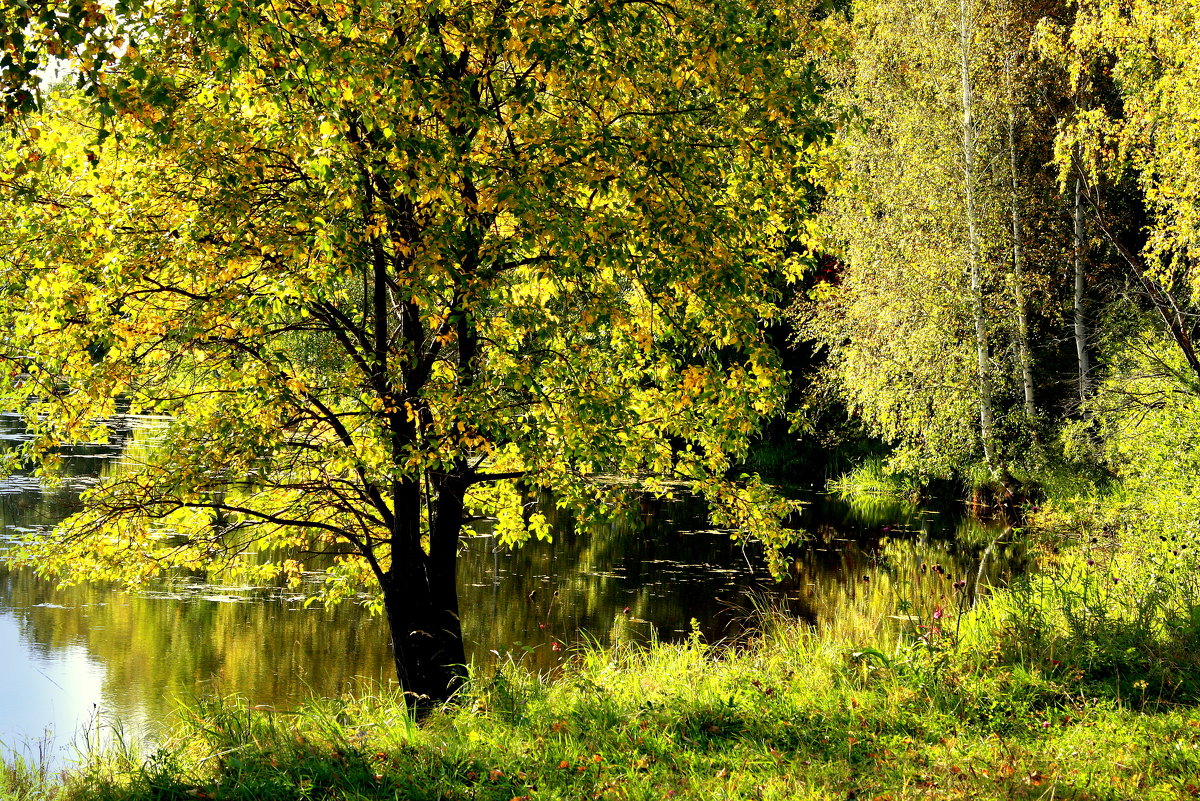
787,715
874,478
27,776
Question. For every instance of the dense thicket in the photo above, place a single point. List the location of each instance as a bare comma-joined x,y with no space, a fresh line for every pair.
1014,219
1015,230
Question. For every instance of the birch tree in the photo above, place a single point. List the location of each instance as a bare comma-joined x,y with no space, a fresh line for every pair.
917,224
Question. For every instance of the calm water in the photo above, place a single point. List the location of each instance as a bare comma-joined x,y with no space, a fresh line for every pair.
76,659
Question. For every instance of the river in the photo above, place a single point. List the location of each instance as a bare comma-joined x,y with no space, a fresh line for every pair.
82,662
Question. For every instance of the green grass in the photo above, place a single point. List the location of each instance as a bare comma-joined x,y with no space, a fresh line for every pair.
27,776
874,478
787,715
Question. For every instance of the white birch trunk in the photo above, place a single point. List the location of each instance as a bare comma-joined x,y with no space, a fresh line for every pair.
1024,359
1081,333
965,32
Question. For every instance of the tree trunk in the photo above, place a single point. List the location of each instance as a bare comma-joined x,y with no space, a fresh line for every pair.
1175,317
966,31
427,641
1024,359
1080,286
420,596
420,590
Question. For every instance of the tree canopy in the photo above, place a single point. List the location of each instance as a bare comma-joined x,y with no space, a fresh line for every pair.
388,265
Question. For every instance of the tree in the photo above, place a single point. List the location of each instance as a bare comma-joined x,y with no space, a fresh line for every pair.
947,319
1013,44
387,266
915,221
966,46
1079,317
1144,136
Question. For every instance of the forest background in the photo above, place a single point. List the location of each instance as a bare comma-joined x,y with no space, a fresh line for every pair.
950,244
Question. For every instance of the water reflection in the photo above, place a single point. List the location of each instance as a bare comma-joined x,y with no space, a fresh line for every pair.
71,653
642,578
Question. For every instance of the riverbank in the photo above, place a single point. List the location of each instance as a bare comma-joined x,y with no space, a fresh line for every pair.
956,709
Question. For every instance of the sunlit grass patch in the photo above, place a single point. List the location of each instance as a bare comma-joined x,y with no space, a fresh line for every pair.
788,714
26,775
876,479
